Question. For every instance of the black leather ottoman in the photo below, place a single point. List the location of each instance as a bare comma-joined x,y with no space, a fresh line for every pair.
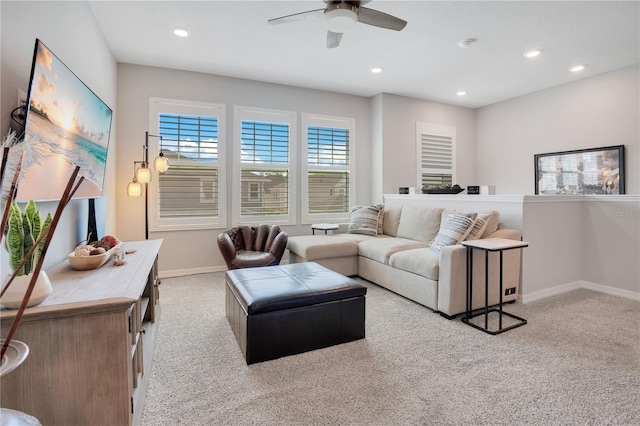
283,310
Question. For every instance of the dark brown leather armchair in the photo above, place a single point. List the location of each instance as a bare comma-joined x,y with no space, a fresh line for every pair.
251,246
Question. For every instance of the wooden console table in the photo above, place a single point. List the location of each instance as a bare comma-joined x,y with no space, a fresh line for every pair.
91,343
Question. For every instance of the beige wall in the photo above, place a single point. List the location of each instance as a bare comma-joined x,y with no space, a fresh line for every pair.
398,118
603,110
197,251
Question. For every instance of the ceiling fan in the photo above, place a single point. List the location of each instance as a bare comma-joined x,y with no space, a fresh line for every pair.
342,16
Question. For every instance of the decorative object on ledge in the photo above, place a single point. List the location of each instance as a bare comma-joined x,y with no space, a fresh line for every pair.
442,189
21,232
142,175
583,171
83,263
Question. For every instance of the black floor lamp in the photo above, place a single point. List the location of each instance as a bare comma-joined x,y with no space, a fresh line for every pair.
142,175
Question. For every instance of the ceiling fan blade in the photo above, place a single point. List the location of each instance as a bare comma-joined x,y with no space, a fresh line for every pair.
333,39
309,14
380,19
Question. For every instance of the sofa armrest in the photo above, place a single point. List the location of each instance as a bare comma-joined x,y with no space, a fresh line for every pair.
510,234
452,280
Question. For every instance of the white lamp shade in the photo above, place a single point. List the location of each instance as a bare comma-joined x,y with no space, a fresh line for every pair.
161,164
134,189
143,175
340,20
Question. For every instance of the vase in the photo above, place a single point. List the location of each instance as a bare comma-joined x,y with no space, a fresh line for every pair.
12,298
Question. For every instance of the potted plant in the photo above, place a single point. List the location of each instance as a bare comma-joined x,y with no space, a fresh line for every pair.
21,233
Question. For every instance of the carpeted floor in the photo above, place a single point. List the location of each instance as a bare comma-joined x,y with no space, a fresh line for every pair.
577,362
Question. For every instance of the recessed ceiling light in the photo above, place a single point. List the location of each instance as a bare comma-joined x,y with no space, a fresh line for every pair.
577,68
465,44
461,93
181,32
376,70
533,53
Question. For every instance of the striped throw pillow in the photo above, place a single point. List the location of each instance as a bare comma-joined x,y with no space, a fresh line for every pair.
364,220
454,229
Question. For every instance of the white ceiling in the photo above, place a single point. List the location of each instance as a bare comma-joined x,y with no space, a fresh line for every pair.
233,38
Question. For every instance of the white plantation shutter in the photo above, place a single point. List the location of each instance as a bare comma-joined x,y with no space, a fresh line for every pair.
436,149
264,183
191,194
328,166
190,187
328,176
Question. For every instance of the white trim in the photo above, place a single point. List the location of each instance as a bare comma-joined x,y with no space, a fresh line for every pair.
575,285
208,109
459,197
434,129
306,120
193,271
270,115
172,273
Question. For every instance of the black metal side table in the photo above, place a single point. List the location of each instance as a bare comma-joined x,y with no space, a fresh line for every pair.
324,227
489,245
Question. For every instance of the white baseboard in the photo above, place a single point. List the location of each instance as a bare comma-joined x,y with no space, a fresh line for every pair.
564,288
194,271
184,272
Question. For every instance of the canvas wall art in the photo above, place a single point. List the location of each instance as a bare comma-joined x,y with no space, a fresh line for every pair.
584,171
66,125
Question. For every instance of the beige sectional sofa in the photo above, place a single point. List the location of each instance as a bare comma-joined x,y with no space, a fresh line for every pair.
401,260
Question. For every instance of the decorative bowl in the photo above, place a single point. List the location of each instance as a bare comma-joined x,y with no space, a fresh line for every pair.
443,191
83,263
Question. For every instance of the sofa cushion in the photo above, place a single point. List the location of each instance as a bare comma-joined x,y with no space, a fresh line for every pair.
391,219
454,229
381,248
420,261
312,247
492,222
480,224
365,220
492,225
419,223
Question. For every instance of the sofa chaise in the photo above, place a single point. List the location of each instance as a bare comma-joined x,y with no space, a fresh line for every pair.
401,255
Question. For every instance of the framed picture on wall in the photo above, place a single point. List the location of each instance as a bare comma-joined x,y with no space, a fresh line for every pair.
584,171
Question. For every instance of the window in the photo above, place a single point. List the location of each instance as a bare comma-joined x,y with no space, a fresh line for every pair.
264,148
328,167
436,154
190,195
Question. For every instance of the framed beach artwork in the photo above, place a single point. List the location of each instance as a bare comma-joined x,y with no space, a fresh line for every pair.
584,171
66,125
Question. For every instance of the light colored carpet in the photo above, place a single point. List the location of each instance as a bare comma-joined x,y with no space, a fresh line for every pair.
577,362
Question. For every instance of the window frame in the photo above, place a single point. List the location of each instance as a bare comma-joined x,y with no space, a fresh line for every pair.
159,106
435,130
320,120
241,113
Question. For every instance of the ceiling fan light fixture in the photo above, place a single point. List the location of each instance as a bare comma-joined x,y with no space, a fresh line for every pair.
340,20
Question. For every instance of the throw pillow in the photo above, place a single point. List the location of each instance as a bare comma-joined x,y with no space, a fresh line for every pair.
364,220
453,230
482,220
380,218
